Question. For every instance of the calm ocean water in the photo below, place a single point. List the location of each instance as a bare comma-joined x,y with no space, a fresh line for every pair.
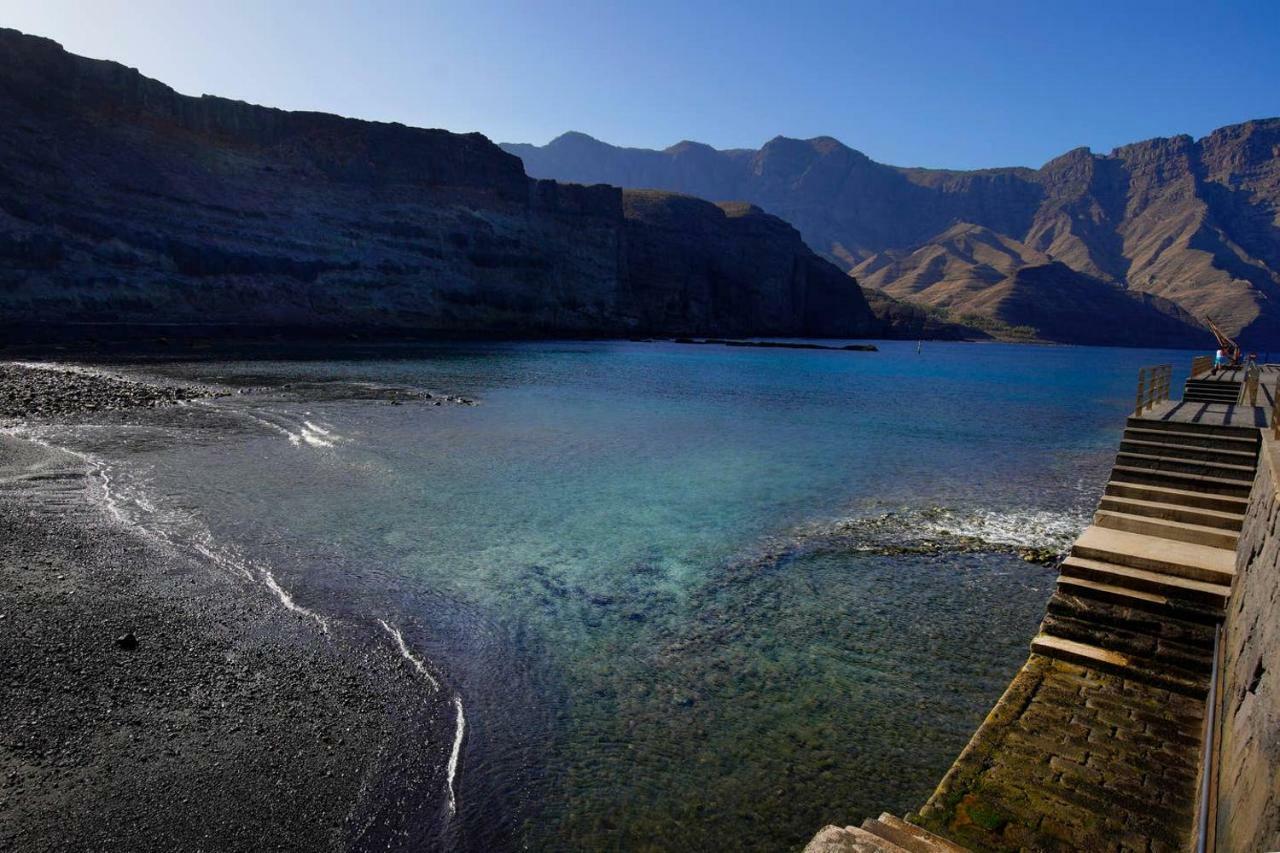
686,597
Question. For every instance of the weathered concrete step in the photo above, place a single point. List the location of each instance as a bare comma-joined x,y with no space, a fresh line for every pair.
1202,387
1212,399
1193,452
1180,610
908,836
1154,554
1155,462
1200,439
1185,637
1142,651
1180,497
1114,662
850,839
1139,422
1193,636
1171,587
1212,385
1213,382
1184,482
1214,537
1215,388
1173,512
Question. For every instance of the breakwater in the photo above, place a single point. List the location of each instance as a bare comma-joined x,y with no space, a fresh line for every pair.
1145,716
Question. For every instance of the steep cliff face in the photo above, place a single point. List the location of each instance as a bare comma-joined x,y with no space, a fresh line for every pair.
693,262
123,201
1196,223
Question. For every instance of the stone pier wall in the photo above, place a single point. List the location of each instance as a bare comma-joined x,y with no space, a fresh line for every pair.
1248,813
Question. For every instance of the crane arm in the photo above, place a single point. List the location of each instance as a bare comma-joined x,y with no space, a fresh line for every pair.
1228,346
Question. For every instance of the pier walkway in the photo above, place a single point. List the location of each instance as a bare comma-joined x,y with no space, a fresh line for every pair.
1098,742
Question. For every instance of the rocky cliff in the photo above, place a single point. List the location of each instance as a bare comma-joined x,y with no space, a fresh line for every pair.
1188,229
122,201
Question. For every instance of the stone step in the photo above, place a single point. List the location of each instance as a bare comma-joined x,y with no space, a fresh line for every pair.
1213,399
1193,452
1180,497
1201,439
908,836
1218,388
1139,422
1180,481
1114,662
1154,554
850,839
1243,473
1171,587
1212,385
1172,512
1214,537
1143,651
1207,382
1158,605
1191,636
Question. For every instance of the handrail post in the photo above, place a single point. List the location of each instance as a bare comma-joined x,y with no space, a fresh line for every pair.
1142,377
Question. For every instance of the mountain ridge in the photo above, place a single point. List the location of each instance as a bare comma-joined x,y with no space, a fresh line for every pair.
1195,223
125,202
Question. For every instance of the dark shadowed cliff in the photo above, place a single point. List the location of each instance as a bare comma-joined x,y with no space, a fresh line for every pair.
1188,229
122,201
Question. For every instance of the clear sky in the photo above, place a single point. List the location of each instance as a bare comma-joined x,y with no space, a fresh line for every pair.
947,84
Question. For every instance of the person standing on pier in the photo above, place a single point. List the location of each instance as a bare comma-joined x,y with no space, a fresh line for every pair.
1252,373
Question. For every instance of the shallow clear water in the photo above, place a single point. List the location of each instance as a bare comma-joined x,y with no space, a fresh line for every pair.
689,596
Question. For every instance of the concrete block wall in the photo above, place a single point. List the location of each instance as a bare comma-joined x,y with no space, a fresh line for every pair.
1248,813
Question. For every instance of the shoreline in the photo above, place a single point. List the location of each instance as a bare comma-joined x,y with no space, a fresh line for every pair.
155,700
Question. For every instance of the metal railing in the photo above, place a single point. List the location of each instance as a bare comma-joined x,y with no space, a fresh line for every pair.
1153,386
1201,364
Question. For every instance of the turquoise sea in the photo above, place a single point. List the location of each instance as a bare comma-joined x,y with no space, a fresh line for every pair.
684,597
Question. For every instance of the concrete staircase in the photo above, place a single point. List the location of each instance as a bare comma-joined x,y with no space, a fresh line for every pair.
886,834
1143,586
1211,390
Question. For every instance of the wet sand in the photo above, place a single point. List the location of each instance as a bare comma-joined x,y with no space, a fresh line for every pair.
153,700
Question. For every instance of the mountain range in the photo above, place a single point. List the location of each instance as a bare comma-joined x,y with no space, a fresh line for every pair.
126,204
1155,237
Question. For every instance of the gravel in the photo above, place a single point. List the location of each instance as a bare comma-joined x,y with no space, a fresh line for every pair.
153,701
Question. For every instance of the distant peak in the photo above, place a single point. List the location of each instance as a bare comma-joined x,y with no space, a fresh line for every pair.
688,145
574,137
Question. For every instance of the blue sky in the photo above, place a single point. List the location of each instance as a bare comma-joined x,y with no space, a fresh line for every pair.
944,84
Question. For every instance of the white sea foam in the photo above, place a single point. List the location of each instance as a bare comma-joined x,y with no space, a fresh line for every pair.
455,754
1026,529
176,532
940,527
317,436
408,655
287,600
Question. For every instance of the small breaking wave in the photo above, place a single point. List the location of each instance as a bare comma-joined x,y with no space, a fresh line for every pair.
409,655
129,505
455,754
306,432
460,726
316,436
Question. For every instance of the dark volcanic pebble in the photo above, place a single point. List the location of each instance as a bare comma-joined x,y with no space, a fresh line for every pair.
233,725
32,392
